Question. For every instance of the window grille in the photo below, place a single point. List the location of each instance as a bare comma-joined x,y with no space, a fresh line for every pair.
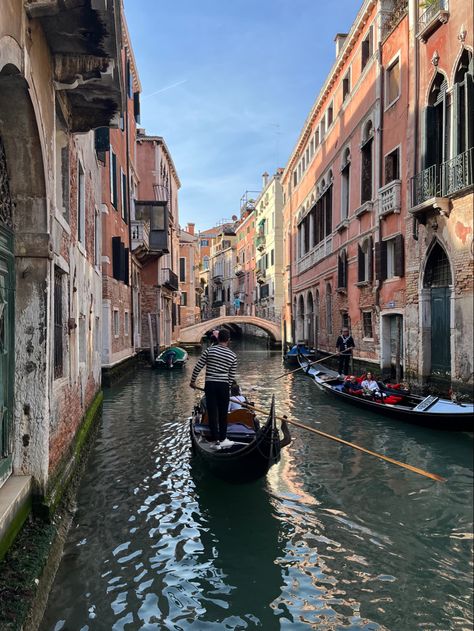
58,324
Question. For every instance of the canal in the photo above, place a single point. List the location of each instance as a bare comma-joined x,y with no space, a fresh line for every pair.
331,539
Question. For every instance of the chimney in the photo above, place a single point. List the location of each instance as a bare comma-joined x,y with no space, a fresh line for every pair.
264,180
190,228
340,40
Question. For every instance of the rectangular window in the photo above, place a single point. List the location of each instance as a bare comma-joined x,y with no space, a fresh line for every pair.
392,83
295,177
182,270
272,257
346,86
204,243
366,173
58,324
113,179
126,323
82,339
367,324
392,166
81,204
136,106
391,258
322,128
184,299
345,324
97,335
330,115
366,50
116,323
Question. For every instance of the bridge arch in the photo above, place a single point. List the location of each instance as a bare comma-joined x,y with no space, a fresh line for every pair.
194,334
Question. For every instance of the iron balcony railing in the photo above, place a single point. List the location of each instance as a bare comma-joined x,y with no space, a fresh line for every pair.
443,180
432,12
169,279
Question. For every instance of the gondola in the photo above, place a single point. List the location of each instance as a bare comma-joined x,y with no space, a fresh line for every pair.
292,354
430,411
173,357
254,450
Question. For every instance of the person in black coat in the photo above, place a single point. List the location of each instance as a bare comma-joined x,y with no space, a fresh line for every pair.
344,344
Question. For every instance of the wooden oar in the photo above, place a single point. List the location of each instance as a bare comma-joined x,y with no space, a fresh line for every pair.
433,476
319,361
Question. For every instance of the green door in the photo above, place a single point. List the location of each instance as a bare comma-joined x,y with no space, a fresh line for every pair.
6,353
440,331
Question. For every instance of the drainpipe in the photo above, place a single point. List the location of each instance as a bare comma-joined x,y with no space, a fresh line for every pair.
127,149
380,165
416,60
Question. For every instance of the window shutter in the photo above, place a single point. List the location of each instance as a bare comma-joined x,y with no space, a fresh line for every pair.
122,261
127,266
361,266
116,257
339,272
102,139
469,109
136,106
399,267
370,255
381,260
430,141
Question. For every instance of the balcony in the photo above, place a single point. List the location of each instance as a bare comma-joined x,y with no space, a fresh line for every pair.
239,270
155,214
432,188
366,207
323,249
390,198
217,279
84,39
140,234
260,242
261,275
436,13
169,279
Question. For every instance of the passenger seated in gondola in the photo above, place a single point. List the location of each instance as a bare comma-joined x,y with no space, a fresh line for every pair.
371,387
352,386
236,398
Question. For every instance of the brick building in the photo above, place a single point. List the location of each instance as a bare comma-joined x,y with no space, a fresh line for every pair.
189,283
439,311
155,241
244,269
119,181
50,234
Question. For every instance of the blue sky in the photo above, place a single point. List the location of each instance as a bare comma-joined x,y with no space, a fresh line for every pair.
228,84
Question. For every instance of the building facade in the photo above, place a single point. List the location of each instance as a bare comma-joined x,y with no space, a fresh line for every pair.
50,233
118,186
269,249
222,266
189,282
155,225
244,269
205,241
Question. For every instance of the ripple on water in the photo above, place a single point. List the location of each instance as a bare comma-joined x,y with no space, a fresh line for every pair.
332,539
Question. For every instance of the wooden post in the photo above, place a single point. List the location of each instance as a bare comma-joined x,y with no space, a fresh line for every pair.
152,346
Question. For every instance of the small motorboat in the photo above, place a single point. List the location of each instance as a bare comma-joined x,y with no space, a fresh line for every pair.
291,356
430,411
173,357
250,451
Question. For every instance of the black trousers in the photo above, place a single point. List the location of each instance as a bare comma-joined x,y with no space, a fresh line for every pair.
344,364
217,402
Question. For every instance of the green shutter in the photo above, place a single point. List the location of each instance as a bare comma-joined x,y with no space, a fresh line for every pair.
399,256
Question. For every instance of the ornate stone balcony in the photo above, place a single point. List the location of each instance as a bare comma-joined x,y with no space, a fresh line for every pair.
323,249
140,234
366,207
390,198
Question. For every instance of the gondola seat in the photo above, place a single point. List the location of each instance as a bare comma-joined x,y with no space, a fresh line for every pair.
393,399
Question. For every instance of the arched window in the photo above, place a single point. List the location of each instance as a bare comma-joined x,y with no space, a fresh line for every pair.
365,260
328,309
345,184
310,319
300,320
437,124
437,271
342,270
366,186
464,95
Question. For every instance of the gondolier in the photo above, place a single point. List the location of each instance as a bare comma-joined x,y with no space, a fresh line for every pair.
221,364
344,344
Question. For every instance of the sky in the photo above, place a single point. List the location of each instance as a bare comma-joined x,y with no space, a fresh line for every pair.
229,84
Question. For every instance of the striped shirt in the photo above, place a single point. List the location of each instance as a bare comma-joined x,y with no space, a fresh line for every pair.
220,363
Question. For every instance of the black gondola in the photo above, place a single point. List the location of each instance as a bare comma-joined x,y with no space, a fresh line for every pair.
430,411
253,451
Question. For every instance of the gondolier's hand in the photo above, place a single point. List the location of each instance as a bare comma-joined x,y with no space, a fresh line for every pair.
192,384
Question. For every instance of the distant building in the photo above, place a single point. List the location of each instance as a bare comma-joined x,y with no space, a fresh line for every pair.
222,270
244,268
155,226
269,249
205,242
189,284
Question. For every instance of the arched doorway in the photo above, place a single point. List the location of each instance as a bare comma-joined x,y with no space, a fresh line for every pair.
300,320
316,320
437,282
310,319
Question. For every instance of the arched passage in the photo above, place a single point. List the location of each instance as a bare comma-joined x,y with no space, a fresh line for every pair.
26,268
310,319
300,320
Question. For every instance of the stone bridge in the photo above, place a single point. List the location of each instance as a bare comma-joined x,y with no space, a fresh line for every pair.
194,334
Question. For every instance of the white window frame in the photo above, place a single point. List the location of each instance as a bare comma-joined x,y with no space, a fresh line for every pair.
81,203
364,337
126,323
116,328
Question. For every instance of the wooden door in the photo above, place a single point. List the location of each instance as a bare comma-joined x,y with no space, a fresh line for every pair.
440,331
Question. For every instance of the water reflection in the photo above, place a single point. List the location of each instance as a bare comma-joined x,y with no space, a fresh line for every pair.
331,539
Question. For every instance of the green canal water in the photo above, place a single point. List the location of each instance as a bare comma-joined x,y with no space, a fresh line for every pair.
331,539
